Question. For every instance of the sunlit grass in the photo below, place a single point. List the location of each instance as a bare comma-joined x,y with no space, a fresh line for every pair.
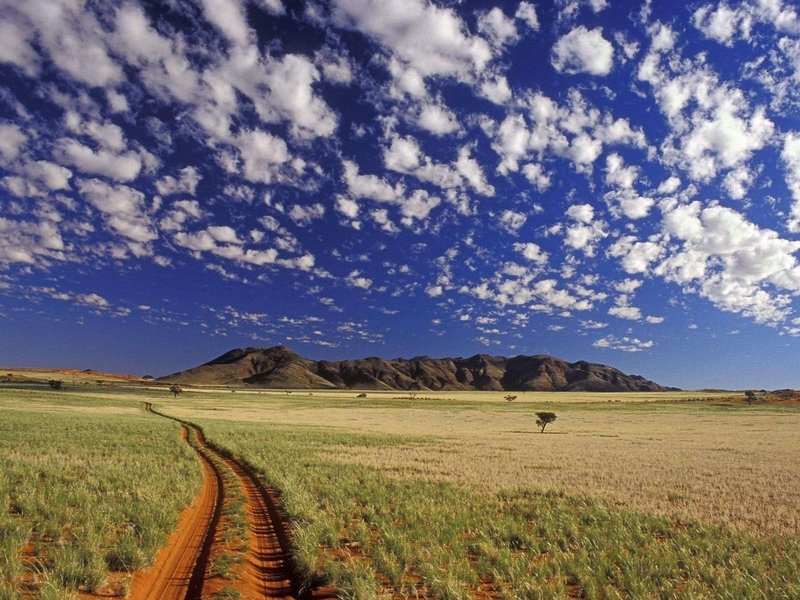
370,532
86,487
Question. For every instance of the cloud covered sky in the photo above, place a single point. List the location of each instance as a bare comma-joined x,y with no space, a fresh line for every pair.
400,177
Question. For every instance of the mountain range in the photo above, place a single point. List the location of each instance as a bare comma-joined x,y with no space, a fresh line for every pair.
280,367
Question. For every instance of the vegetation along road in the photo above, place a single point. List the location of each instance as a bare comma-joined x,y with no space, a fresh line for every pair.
185,568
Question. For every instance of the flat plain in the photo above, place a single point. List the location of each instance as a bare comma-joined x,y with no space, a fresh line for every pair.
451,495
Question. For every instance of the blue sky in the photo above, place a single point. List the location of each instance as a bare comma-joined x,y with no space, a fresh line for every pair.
600,180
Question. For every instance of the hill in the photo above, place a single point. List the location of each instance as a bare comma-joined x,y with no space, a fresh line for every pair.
279,367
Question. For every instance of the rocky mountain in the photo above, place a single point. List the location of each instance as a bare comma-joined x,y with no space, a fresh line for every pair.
279,367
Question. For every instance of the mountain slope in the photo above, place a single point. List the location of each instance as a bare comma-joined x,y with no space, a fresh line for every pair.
279,367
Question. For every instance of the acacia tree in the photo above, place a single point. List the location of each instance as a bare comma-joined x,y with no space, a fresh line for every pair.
175,389
543,419
56,384
750,396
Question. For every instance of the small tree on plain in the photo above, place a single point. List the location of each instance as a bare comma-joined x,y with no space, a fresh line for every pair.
750,396
510,398
56,384
543,419
175,389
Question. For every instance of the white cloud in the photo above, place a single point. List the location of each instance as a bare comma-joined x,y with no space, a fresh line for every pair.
434,291
737,182
229,17
497,27
625,344
526,12
723,23
16,48
471,170
419,205
726,24
430,39
537,176
12,139
576,130
69,34
532,252
584,213
370,186
305,214
122,207
185,183
583,51
585,232
347,206
495,88
636,256
30,242
357,280
732,262
123,166
512,221
263,154
791,160
38,178
438,119
712,125
631,313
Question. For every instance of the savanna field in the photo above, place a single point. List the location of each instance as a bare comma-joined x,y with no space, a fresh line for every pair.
438,495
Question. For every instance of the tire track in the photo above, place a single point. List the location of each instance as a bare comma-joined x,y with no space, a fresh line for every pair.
180,567
268,569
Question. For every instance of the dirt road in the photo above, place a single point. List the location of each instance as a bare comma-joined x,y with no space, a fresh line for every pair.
181,569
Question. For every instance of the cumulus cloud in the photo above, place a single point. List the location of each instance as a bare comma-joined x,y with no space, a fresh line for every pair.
122,207
575,130
357,280
512,221
123,166
30,242
438,119
185,183
583,51
526,12
432,40
791,160
727,24
304,215
262,154
498,28
71,37
370,186
625,343
12,139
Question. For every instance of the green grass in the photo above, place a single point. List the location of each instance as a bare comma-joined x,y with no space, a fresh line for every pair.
93,485
370,533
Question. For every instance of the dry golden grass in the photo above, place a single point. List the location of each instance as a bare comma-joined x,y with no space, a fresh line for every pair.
731,464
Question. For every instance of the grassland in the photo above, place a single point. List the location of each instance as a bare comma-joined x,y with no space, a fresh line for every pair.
462,498
88,488
444,496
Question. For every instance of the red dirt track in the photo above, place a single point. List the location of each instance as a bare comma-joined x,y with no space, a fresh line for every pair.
181,567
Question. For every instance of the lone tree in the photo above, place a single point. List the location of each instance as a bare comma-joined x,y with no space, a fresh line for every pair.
543,419
175,389
56,384
510,398
750,396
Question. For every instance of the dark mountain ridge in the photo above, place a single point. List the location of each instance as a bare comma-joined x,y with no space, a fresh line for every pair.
279,367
